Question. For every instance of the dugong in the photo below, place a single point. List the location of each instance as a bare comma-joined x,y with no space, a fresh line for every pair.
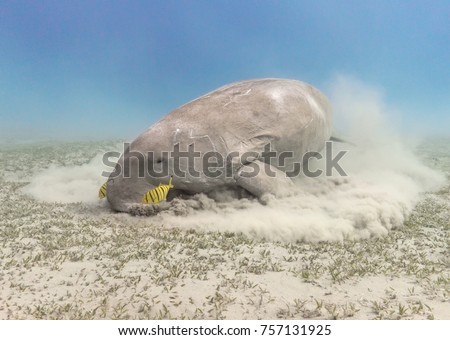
224,138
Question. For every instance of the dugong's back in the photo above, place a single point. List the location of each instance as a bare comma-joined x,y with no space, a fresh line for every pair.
244,116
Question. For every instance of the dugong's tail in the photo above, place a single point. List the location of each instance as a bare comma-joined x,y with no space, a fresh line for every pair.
336,139
340,140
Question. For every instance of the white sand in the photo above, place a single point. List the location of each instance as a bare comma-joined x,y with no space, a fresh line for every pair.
66,261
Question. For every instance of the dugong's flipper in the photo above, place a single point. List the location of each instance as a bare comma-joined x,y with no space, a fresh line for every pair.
260,179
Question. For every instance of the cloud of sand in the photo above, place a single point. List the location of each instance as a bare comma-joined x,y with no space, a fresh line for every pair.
69,184
384,182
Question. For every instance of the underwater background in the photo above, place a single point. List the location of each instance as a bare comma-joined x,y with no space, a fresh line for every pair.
99,69
79,78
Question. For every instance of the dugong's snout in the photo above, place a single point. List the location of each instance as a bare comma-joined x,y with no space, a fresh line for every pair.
124,192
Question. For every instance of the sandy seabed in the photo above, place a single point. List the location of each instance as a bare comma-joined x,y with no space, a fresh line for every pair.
82,261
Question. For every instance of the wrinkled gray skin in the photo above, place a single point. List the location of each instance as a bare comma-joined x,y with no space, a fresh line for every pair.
240,117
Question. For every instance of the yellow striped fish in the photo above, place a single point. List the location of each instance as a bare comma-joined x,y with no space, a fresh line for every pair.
157,194
102,191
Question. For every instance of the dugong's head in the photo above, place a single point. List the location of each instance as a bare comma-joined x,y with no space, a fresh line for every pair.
142,166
